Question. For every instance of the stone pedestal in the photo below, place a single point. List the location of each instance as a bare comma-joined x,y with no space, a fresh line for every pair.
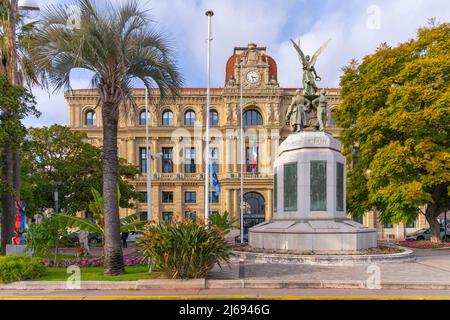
13,250
309,200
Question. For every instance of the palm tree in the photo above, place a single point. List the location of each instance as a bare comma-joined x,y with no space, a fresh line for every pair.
97,207
119,46
19,69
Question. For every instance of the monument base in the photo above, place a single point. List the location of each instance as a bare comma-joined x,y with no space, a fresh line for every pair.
19,250
324,235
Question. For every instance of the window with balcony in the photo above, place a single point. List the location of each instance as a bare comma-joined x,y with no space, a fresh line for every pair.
213,198
190,215
190,197
189,164
332,121
167,118
411,224
252,118
143,119
167,197
167,160
189,118
167,216
214,158
143,160
90,118
213,118
388,225
251,159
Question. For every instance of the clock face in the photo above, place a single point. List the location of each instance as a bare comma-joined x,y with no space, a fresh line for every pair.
253,77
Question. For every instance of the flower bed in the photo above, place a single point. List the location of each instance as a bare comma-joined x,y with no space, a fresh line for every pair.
93,262
424,244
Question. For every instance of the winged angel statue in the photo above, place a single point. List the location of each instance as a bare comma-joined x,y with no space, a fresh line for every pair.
309,72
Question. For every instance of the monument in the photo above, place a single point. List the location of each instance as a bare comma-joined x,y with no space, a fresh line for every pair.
310,182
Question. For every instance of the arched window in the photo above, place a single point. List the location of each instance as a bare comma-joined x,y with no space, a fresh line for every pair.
167,118
252,118
90,118
142,119
332,121
189,118
213,118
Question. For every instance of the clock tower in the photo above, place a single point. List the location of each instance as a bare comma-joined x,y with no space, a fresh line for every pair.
258,69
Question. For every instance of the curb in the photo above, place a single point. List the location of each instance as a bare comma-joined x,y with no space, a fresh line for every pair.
201,284
336,260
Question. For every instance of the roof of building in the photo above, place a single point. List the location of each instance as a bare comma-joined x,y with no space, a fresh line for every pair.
235,58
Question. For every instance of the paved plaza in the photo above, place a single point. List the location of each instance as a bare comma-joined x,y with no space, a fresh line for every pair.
431,266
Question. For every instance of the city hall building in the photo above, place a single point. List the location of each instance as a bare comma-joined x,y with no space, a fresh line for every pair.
177,132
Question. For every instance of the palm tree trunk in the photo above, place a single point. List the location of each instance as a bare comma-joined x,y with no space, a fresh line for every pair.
7,218
113,248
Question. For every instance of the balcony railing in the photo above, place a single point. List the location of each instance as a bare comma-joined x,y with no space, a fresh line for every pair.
200,176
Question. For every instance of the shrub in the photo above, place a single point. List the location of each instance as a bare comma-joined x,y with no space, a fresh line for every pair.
93,262
185,249
41,237
13,268
223,221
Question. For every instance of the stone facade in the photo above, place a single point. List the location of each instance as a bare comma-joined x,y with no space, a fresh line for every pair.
264,104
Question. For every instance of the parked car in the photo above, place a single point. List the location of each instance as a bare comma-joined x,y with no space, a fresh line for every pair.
133,235
75,237
423,234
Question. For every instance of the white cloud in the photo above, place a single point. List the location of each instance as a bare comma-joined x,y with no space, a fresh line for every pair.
239,22
351,38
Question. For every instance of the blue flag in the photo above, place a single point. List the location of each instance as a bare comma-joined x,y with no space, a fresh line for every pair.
215,181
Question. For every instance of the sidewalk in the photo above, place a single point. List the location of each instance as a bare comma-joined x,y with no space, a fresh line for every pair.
430,271
431,266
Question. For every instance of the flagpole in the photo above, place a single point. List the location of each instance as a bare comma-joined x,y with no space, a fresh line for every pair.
149,159
242,154
209,14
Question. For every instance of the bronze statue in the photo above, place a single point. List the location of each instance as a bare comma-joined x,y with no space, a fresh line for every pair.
296,114
320,104
309,72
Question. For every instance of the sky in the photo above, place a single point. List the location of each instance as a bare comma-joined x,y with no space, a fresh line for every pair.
356,28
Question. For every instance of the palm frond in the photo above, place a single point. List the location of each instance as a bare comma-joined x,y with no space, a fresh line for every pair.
80,223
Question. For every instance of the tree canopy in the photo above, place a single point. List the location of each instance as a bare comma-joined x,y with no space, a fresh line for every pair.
56,155
395,115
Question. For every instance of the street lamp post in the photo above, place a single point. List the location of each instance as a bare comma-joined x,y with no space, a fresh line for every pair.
242,143
150,158
209,14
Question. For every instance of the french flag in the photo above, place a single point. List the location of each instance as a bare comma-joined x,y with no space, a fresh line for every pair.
254,158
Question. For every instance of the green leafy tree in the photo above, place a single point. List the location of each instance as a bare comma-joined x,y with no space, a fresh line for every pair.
118,45
49,233
18,69
59,157
396,112
18,101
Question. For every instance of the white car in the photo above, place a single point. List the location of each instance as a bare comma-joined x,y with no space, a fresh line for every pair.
134,235
423,234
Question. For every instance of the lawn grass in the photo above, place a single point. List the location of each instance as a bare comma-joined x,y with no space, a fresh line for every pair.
59,257
96,274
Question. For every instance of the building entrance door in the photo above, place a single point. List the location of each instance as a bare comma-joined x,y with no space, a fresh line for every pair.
254,210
